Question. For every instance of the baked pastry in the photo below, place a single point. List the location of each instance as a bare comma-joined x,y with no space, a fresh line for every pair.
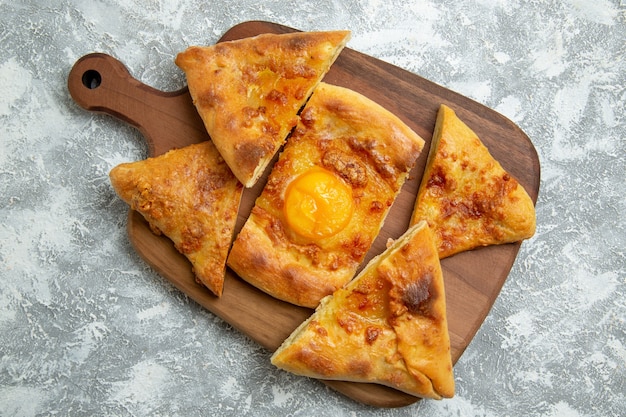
326,197
192,197
387,326
466,196
248,92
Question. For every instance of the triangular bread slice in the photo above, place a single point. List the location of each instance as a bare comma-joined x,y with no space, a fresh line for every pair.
248,92
192,197
387,326
466,196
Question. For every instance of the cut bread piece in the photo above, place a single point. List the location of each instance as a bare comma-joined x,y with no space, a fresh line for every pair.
248,92
192,197
466,196
387,326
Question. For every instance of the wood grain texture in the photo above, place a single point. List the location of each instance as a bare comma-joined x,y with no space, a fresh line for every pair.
473,279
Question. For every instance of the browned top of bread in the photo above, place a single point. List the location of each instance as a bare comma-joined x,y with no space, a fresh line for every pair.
386,326
367,162
249,91
466,196
191,196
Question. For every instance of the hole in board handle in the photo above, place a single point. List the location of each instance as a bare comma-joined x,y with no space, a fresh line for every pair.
92,79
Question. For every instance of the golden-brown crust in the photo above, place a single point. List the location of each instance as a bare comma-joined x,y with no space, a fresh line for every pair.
373,159
387,326
191,196
249,91
466,196
268,261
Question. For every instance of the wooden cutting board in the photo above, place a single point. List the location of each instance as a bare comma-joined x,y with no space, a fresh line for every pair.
100,83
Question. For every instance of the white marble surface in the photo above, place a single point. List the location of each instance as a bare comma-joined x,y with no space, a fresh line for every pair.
86,328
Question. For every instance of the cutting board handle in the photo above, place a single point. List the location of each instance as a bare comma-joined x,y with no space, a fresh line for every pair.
100,83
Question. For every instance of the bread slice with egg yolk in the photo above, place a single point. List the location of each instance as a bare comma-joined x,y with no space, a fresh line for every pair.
326,197
318,204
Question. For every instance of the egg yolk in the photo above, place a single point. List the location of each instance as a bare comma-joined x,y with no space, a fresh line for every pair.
318,204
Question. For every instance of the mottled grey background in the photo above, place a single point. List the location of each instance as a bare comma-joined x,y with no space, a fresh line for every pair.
86,328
